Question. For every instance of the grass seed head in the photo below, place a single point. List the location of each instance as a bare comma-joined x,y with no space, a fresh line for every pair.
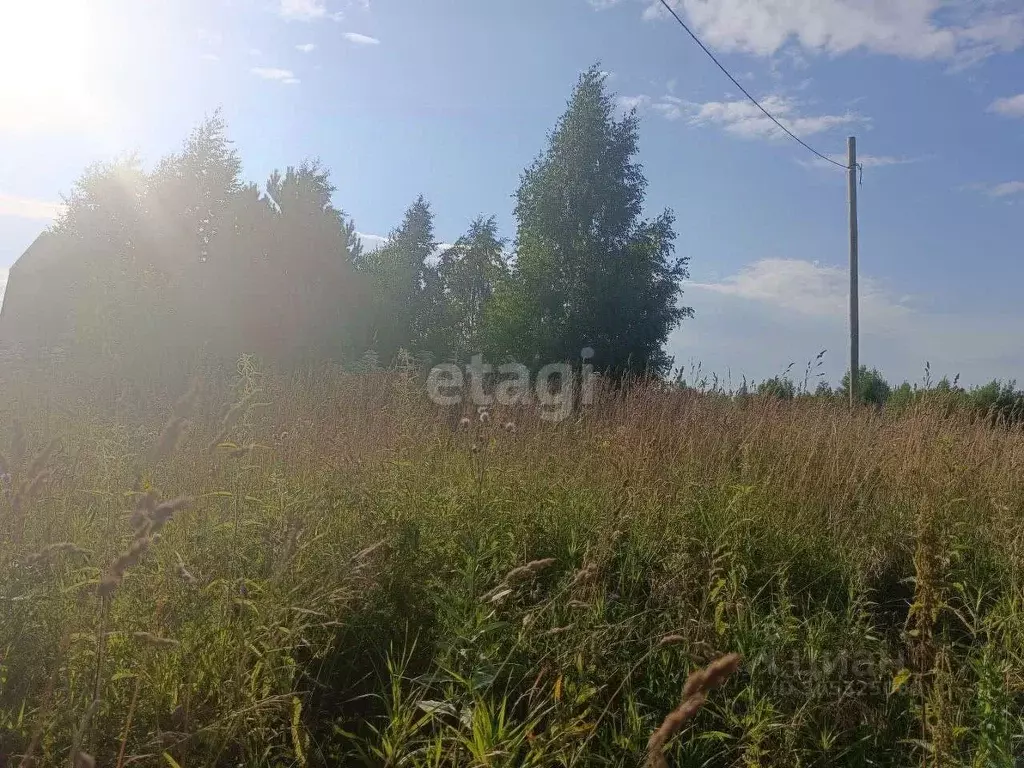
669,728
169,437
41,459
585,575
53,550
558,630
694,695
163,643
183,572
165,511
113,577
671,640
527,571
363,554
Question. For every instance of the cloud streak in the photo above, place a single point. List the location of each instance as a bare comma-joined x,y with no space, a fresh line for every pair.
962,31
742,118
27,208
306,47
1011,106
373,242
806,288
775,312
868,161
358,39
1001,189
275,74
303,10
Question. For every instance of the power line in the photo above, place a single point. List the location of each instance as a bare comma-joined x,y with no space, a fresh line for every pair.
746,93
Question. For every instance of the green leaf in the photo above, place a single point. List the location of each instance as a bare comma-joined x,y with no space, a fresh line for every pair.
900,680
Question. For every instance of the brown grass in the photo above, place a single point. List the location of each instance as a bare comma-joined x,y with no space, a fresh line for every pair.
643,536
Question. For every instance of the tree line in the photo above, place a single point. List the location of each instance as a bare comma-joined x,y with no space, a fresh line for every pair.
997,402
146,267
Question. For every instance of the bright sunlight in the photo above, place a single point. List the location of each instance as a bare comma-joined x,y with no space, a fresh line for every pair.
48,55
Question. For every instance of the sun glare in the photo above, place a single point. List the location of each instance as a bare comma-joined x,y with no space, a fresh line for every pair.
48,58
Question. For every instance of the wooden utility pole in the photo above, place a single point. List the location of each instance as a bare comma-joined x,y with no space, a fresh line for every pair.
851,169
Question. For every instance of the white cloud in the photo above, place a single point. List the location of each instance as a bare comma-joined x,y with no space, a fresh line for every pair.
1004,189
989,33
806,288
303,10
629,103
668,106
961,30
315,10
868,161
358,39
1007,188
742,118
371,242
1011,106
780,311
210,57
285,76
26,208
306,47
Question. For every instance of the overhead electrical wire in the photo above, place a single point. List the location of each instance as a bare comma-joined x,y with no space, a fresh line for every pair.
746,93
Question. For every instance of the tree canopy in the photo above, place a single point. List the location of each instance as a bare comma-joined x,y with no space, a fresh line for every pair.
589,270
188,259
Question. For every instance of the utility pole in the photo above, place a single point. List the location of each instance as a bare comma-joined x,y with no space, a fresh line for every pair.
851,169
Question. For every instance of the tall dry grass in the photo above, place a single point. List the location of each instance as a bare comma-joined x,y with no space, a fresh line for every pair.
363,578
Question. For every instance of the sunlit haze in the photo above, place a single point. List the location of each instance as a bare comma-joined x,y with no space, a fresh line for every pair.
50,59
453,100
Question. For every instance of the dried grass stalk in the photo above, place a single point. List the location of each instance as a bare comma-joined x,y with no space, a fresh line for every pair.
695,693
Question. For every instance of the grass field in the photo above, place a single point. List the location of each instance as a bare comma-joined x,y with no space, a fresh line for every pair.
319,570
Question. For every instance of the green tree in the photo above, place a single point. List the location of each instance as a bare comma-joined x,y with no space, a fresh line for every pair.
874,389
902,397
589,271
293,253
191,191
469,272
999,402
407,297
147,270
778,387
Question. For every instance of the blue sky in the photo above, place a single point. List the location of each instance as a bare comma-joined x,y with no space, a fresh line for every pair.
452,98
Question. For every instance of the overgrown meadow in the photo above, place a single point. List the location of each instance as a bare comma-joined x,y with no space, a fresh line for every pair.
327,569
